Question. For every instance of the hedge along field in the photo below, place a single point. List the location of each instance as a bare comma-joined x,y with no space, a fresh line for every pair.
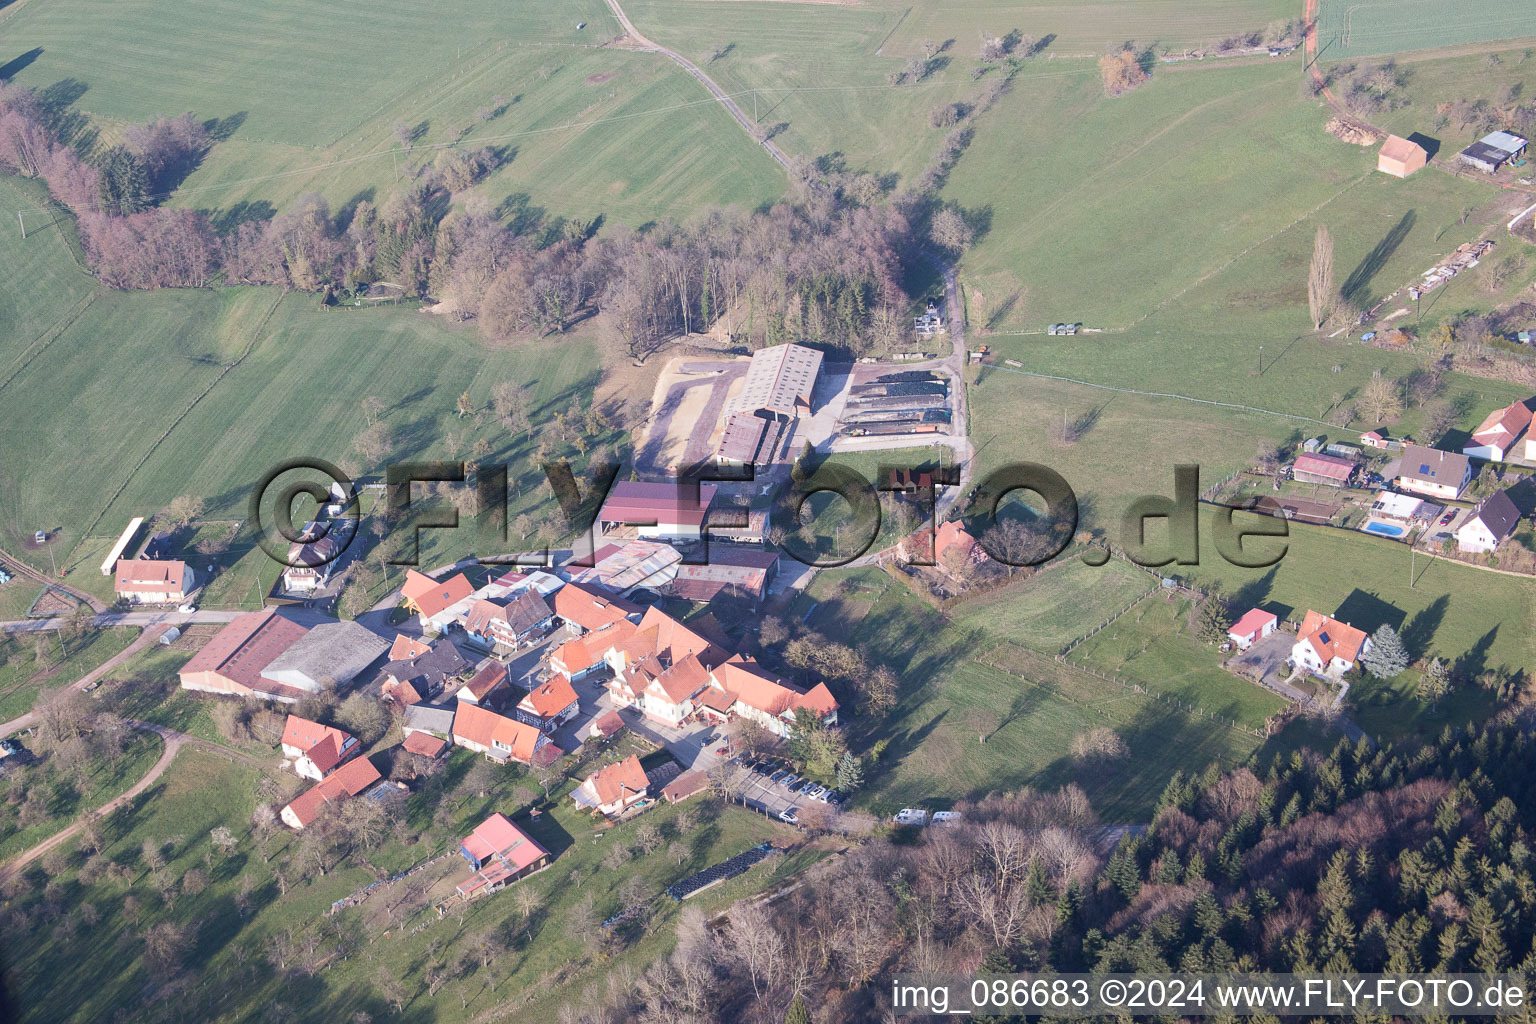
1350,28
127,372
55,285
577,139
1058,605
1083,27
294,72
1122,204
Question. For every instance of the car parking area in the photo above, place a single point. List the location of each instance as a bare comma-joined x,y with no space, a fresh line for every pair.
760,790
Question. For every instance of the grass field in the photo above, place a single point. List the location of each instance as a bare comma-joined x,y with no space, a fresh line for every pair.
1154,645
20,681
543,965
1127,205
1349,28
1057,606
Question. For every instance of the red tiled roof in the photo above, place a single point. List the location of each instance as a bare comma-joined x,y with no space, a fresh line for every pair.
349,780
747,682
952,535
144,576
247,645
430,596
322,744
684,679
403,693
425,744
590,608
486,728
1331,638
624,778
407,648
608,723
676,640
490,676
685,785
1503,426
551,698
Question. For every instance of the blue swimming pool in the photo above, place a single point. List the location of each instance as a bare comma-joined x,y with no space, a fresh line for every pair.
1385,529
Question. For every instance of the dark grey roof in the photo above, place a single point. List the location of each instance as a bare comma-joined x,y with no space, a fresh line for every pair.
1500,515
429,718
440,663
331,650
526,611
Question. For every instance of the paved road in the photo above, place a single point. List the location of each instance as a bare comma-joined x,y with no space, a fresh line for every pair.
155,618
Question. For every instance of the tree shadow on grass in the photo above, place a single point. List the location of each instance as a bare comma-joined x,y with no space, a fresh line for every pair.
10,68
1354,289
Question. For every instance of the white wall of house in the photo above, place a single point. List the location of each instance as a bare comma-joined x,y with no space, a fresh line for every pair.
1473,537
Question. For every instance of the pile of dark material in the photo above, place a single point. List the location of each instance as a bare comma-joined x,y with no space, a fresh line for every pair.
720,872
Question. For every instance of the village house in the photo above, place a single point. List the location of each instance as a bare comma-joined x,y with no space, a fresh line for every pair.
497,737
144,581
1432,472
584,656
486,686
639,661
1326,646
1255,625
316,750
437,604
663,693
352,779
605,726
419,671
508,624
549,705
1497,437
1491,525
499,852
740,687
655,511
613,789
1399,157
1329,470
586,608
310,563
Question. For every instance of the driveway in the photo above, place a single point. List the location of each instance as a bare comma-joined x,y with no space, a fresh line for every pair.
1265,660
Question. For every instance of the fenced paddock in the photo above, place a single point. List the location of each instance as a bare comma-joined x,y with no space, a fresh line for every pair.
1364,28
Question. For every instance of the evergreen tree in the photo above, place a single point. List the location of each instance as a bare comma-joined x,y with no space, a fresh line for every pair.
1435,683
1388,655
124,183
1212,620
850,773
798,1013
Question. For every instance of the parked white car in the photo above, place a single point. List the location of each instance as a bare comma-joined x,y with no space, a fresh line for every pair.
911,816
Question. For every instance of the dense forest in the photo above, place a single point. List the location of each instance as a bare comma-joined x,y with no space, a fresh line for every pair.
1376,860
826,266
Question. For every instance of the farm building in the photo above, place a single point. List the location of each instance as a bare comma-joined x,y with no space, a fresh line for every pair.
639,563
752,438
350,780
1495,519
329,656
656,511
1329,470
1432,472
1399,157
613,789
1493,151
426,745
1495,439
1255,625
499,852
429,719
780,380
142,581
233,661
1327,646
739,571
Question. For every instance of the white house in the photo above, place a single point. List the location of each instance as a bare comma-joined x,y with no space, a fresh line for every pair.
1432,472
614,788
145,581
316,750
1489,527
1497,437
1327,646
